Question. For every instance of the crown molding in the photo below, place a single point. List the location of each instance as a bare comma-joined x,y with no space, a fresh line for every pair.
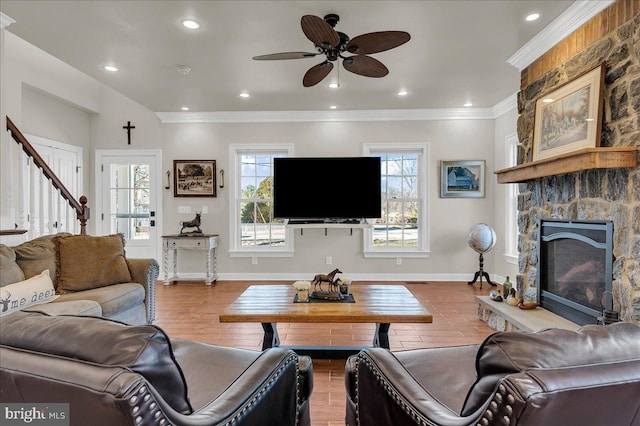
324,116
5,20
560,28
505,105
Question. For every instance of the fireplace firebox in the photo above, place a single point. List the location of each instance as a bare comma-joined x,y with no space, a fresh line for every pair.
575,269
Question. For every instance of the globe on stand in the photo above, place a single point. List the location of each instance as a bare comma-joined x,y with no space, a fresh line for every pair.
481,238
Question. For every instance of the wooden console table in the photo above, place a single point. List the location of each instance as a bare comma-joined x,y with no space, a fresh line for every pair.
184,242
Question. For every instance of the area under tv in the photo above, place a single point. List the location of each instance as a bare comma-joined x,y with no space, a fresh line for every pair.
311,221
326,224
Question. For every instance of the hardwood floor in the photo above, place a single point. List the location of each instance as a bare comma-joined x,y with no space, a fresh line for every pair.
189,309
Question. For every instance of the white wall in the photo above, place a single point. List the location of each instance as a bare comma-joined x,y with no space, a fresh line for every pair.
93,106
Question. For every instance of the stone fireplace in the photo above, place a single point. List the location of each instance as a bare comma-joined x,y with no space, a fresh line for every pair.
575,269
598,194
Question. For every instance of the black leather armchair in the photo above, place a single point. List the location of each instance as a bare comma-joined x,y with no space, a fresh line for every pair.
551,377
115,374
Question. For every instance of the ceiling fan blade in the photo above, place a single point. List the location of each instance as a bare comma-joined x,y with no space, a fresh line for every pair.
319,32
316,74
285,55
365,65
380,41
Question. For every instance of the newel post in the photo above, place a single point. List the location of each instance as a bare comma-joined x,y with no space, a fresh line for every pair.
83,215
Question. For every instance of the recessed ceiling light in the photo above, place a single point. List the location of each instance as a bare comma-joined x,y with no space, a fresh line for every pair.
185,108
333,107
110,68
244,95
191,24
402,93
334,85
468,104
532,17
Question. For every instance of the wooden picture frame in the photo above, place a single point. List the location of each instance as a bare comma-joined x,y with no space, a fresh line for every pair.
194,178
569,118
462,179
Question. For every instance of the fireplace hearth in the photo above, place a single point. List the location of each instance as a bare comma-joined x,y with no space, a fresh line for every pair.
575,269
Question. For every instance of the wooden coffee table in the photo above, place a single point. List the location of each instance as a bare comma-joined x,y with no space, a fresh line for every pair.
379,304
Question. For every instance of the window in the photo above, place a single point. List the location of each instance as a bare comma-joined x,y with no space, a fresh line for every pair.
511,203
402,229
253,230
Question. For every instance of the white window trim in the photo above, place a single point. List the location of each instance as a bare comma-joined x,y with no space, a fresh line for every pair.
235,249
511,192
423,250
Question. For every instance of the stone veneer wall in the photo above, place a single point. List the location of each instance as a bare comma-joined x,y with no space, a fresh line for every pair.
612,38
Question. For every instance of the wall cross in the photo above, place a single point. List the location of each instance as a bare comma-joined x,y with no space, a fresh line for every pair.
129,127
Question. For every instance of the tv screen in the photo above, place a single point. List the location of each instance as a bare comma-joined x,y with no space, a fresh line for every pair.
326,187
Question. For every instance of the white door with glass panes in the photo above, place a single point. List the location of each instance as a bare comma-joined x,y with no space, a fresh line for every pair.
129,193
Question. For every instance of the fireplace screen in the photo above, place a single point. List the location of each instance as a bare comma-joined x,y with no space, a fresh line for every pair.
575,269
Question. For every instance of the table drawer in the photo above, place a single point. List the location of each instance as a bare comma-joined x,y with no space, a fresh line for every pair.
187,243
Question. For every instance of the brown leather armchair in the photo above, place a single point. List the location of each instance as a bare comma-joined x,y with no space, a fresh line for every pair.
116,374
551,377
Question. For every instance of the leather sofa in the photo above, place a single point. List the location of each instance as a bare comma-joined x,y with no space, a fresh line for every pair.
90,275
111,373
551,377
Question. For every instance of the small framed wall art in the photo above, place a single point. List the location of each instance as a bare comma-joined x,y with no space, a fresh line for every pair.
194,178
569,118
462,179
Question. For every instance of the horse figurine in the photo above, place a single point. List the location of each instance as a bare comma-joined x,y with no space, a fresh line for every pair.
320,278
194,223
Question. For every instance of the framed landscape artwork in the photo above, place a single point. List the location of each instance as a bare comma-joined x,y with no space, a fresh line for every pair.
194,178
462,179
569,118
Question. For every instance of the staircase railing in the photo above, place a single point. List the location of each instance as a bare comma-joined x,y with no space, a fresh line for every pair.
80,206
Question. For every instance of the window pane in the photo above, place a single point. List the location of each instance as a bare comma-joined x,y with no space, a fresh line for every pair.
258,228
398,227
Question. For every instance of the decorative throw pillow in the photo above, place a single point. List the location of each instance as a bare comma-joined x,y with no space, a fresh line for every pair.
85,262
36,255
33,291
11,272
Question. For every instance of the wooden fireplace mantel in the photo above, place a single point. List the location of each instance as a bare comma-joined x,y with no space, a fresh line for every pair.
584,159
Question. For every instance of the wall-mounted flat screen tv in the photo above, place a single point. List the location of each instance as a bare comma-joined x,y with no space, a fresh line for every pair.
326,187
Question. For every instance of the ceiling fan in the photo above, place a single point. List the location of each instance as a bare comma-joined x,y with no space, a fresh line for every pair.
334,44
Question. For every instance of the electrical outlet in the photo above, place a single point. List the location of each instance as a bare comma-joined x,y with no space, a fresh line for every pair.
328,260
398,261
254,260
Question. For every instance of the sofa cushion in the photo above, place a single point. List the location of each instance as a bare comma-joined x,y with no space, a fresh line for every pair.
36,255
144,349
68,307
33,291
11,272
505,353
85,262
112,299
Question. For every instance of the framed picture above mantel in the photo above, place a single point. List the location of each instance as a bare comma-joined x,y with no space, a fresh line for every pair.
569,118
194,178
